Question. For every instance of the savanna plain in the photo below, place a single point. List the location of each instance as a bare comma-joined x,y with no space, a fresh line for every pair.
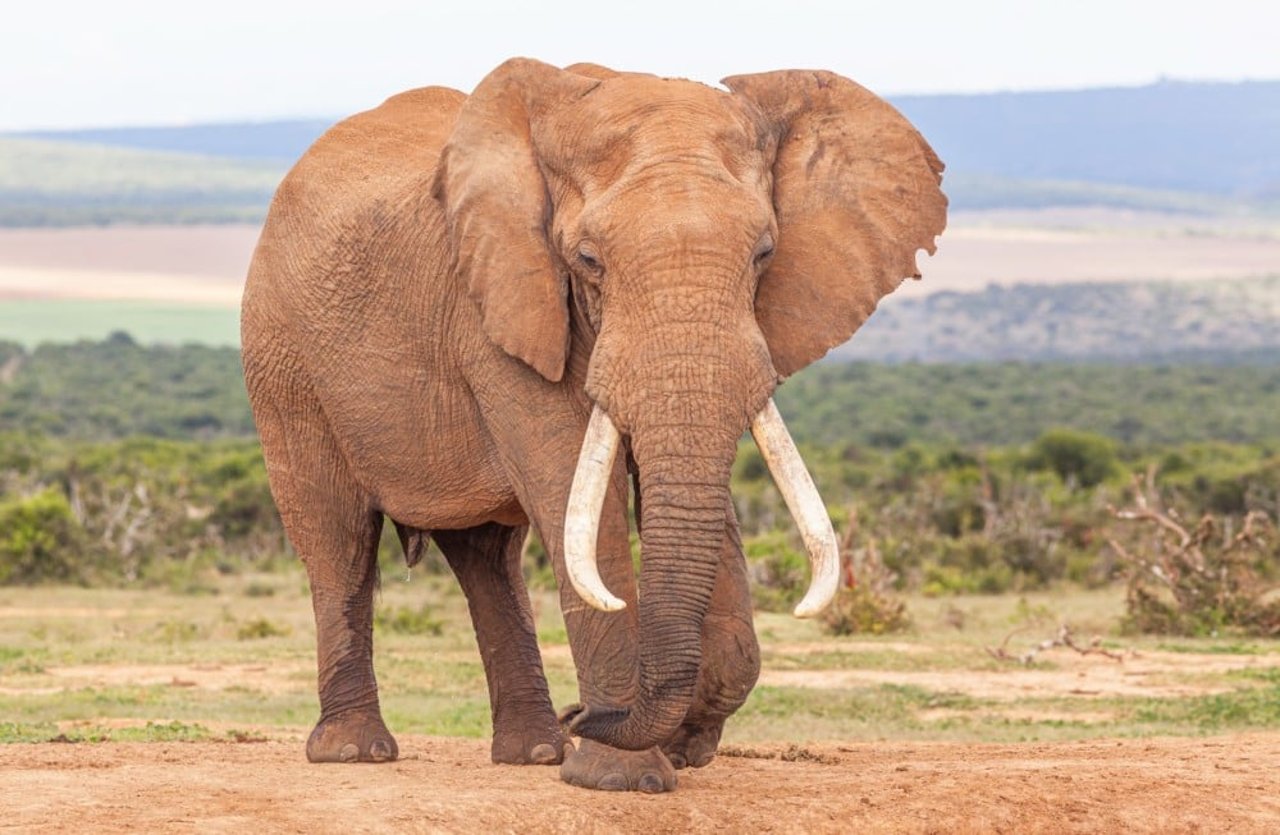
1064,614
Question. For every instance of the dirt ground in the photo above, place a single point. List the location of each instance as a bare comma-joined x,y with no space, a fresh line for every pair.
1164,785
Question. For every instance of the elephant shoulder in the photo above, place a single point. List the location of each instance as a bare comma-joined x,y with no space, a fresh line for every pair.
356,210
403,134
371,167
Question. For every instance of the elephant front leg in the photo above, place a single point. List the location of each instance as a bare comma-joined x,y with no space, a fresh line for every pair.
730,660
604,647
486,561
604,652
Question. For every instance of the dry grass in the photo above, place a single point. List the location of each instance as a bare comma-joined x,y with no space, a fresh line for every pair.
82,661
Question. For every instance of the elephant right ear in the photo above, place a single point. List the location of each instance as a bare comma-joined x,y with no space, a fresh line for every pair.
496,206
857,191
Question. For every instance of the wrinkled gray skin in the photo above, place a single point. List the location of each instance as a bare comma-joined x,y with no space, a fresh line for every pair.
446,286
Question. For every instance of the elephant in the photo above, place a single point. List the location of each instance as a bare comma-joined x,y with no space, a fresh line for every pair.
571,289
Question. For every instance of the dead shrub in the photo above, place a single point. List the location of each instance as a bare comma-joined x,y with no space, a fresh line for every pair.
1200,580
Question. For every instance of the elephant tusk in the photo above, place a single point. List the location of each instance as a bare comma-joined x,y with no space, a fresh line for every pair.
806,506
582,519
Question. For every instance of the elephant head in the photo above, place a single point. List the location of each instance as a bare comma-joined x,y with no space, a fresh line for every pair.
711,243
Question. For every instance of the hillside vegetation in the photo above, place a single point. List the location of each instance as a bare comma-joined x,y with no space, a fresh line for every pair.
45,183
118,388
1168,321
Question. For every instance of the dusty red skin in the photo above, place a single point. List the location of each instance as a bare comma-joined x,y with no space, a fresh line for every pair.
445,286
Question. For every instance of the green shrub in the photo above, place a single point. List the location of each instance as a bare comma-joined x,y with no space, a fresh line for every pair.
41,540
865,604
406,621
261,628
1080,457
780,572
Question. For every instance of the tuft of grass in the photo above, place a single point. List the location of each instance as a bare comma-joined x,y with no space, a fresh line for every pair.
1249,707
176,632
174,731
17,732
1214,648
261,628
406,621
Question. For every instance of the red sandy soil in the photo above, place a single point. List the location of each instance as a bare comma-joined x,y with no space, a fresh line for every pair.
1215,784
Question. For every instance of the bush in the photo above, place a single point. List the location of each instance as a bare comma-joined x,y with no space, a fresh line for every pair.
1200,581
41,541
780,572
260,628
406,621
1079,457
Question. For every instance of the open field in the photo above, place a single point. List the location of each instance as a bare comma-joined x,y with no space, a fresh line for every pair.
912,732
32,321
204,266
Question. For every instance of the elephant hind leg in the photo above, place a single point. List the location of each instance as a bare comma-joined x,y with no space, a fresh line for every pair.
486,561
342,564
335,529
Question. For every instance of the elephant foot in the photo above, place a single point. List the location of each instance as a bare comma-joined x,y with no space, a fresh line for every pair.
597,766
546,746
350,738
693,746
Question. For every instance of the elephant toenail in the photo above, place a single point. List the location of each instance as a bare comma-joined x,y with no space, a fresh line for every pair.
543,754
612,783
651,784
349,753
379,751
677,760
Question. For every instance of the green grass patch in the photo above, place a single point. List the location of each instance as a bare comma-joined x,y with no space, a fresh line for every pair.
404,620
433,682
30,322
15,732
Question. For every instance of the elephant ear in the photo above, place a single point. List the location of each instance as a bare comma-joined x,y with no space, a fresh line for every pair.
856,193
497,211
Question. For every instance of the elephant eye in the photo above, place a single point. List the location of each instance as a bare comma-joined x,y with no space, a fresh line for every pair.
764,250
590,261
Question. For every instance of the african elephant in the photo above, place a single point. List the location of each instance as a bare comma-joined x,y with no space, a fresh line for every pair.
462,307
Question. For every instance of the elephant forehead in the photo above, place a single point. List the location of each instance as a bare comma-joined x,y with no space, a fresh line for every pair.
632,117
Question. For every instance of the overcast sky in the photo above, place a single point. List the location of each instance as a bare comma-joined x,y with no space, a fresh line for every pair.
69,63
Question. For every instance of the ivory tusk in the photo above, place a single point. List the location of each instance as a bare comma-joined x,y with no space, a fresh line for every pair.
806,506
582,519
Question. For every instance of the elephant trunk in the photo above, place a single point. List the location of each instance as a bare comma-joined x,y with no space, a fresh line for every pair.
685,393
684,482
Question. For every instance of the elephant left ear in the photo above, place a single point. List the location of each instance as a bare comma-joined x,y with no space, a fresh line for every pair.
857,193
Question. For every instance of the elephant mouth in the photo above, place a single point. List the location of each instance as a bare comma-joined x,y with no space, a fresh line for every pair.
591,483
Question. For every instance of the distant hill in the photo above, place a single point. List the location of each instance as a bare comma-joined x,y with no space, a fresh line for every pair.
278,141
1172,135
44,183
1223,322
1171,146
1217,138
